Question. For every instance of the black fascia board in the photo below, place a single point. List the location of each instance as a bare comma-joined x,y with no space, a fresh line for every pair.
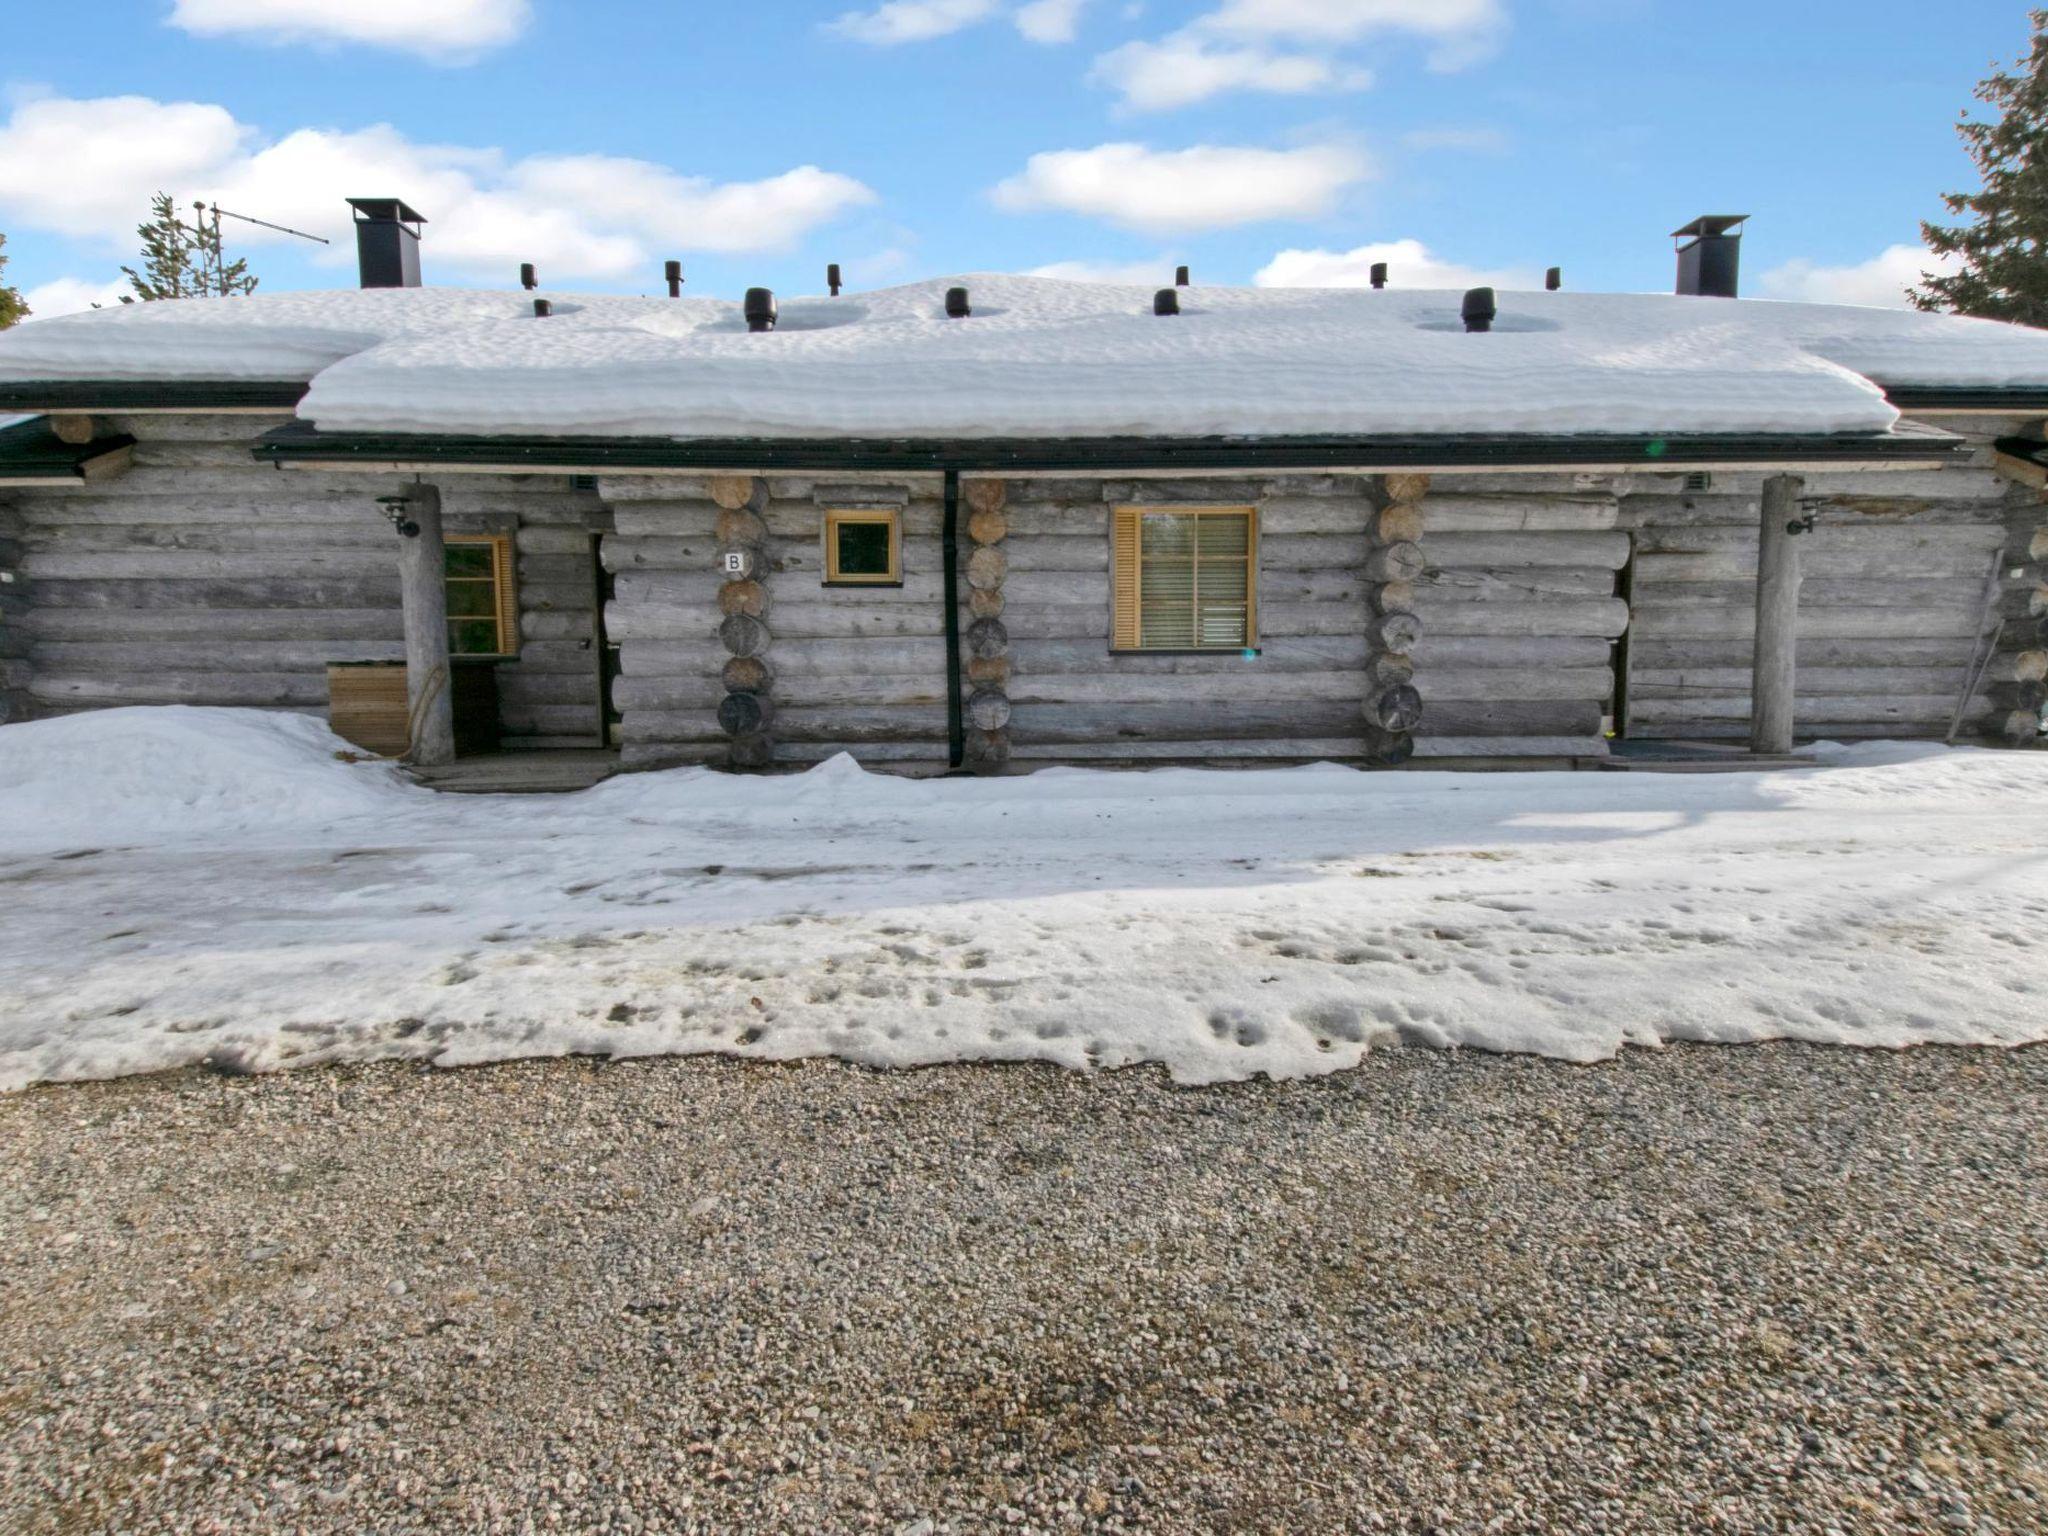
299,443
58,396
2021,400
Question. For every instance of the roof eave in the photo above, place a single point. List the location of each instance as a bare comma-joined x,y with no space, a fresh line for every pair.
129,397
299,445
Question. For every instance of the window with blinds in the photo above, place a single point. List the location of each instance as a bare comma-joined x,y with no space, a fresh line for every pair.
483,608
1185,578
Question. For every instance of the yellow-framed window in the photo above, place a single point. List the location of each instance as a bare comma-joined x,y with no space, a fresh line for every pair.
483,602
1185,578
863,547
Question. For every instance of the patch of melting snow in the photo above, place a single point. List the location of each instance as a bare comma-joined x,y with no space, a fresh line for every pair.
221,888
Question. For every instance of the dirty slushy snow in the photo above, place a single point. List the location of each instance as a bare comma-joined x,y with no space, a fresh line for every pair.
190,885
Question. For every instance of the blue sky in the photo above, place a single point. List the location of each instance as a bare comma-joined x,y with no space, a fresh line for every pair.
1272,140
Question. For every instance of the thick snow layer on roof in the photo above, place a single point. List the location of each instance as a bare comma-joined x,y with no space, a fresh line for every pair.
1041,357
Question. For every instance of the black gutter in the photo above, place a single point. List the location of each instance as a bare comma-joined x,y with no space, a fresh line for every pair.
949,544
71,396
2023,401
299,443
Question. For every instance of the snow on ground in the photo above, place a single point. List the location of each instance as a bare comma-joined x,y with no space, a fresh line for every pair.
197,884
1041,357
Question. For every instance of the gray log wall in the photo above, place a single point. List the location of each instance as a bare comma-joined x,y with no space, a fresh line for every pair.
1903,572
848,669
14,605
202,577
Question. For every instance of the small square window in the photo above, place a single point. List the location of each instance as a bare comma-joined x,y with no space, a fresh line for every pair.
863,548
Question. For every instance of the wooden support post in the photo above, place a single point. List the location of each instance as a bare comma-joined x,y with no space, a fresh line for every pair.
1776,663
423,588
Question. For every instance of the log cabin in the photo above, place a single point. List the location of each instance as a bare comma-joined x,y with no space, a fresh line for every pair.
992,522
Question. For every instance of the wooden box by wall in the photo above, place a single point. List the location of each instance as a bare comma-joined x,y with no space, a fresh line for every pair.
366,704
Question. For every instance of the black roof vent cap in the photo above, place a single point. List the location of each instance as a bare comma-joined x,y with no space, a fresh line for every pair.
1479,309
672,273
759,309
1553,279
957,307
1379,274
1166,302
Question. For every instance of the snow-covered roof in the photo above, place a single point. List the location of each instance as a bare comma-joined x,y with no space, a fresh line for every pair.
1044,358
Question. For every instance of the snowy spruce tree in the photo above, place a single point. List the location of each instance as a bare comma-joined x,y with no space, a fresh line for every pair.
2002,248
183,261
11,306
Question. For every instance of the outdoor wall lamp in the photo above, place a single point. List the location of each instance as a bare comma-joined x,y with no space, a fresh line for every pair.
394,509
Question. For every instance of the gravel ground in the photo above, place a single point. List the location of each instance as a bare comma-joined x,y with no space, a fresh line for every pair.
1743,1289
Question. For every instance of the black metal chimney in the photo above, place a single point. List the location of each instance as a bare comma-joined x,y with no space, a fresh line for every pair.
1180,277
387,242
1710,259
672,273
1553,279
832,277
1379,274
760,309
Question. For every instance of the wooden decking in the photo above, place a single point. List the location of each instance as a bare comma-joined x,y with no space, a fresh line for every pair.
521,773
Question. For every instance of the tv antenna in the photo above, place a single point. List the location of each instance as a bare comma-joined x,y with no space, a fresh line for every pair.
211,250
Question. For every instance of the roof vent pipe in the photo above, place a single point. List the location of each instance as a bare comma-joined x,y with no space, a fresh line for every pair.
1710,258
832,278
1180,277
527,277
1166,302
1379,274
387,242
1553,279
542,309
759,308
673,272
957,307
1479,309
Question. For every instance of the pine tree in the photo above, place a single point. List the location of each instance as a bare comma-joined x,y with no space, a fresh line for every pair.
11,306
2003,250
183,261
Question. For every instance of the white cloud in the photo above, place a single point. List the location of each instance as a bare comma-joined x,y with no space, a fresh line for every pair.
1130,274
912,21
1341,21
1186,68
1882,280
1410,264
87,169
1050,21
1207,187
1233,48
438,29
69,295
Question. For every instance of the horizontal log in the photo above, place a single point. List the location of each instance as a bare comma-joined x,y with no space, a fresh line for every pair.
113,625
1956,593
1436,747
1651,652
1908,543
131,658
167,687
1479,683
175,564
1266,750
1836,562
1512,717
571,719
1184,720
517,686
563,624
1244,681
565,570
623,552
1655,621
665,520
1277,654
1481,584
924,688
696,591
379,591
1520,514
1921,709
696,726
1349,517
834,621
1608,551
533,539
220,538
1710,682
1604,617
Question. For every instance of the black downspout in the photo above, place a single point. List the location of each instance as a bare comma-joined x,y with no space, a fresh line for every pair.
949,538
